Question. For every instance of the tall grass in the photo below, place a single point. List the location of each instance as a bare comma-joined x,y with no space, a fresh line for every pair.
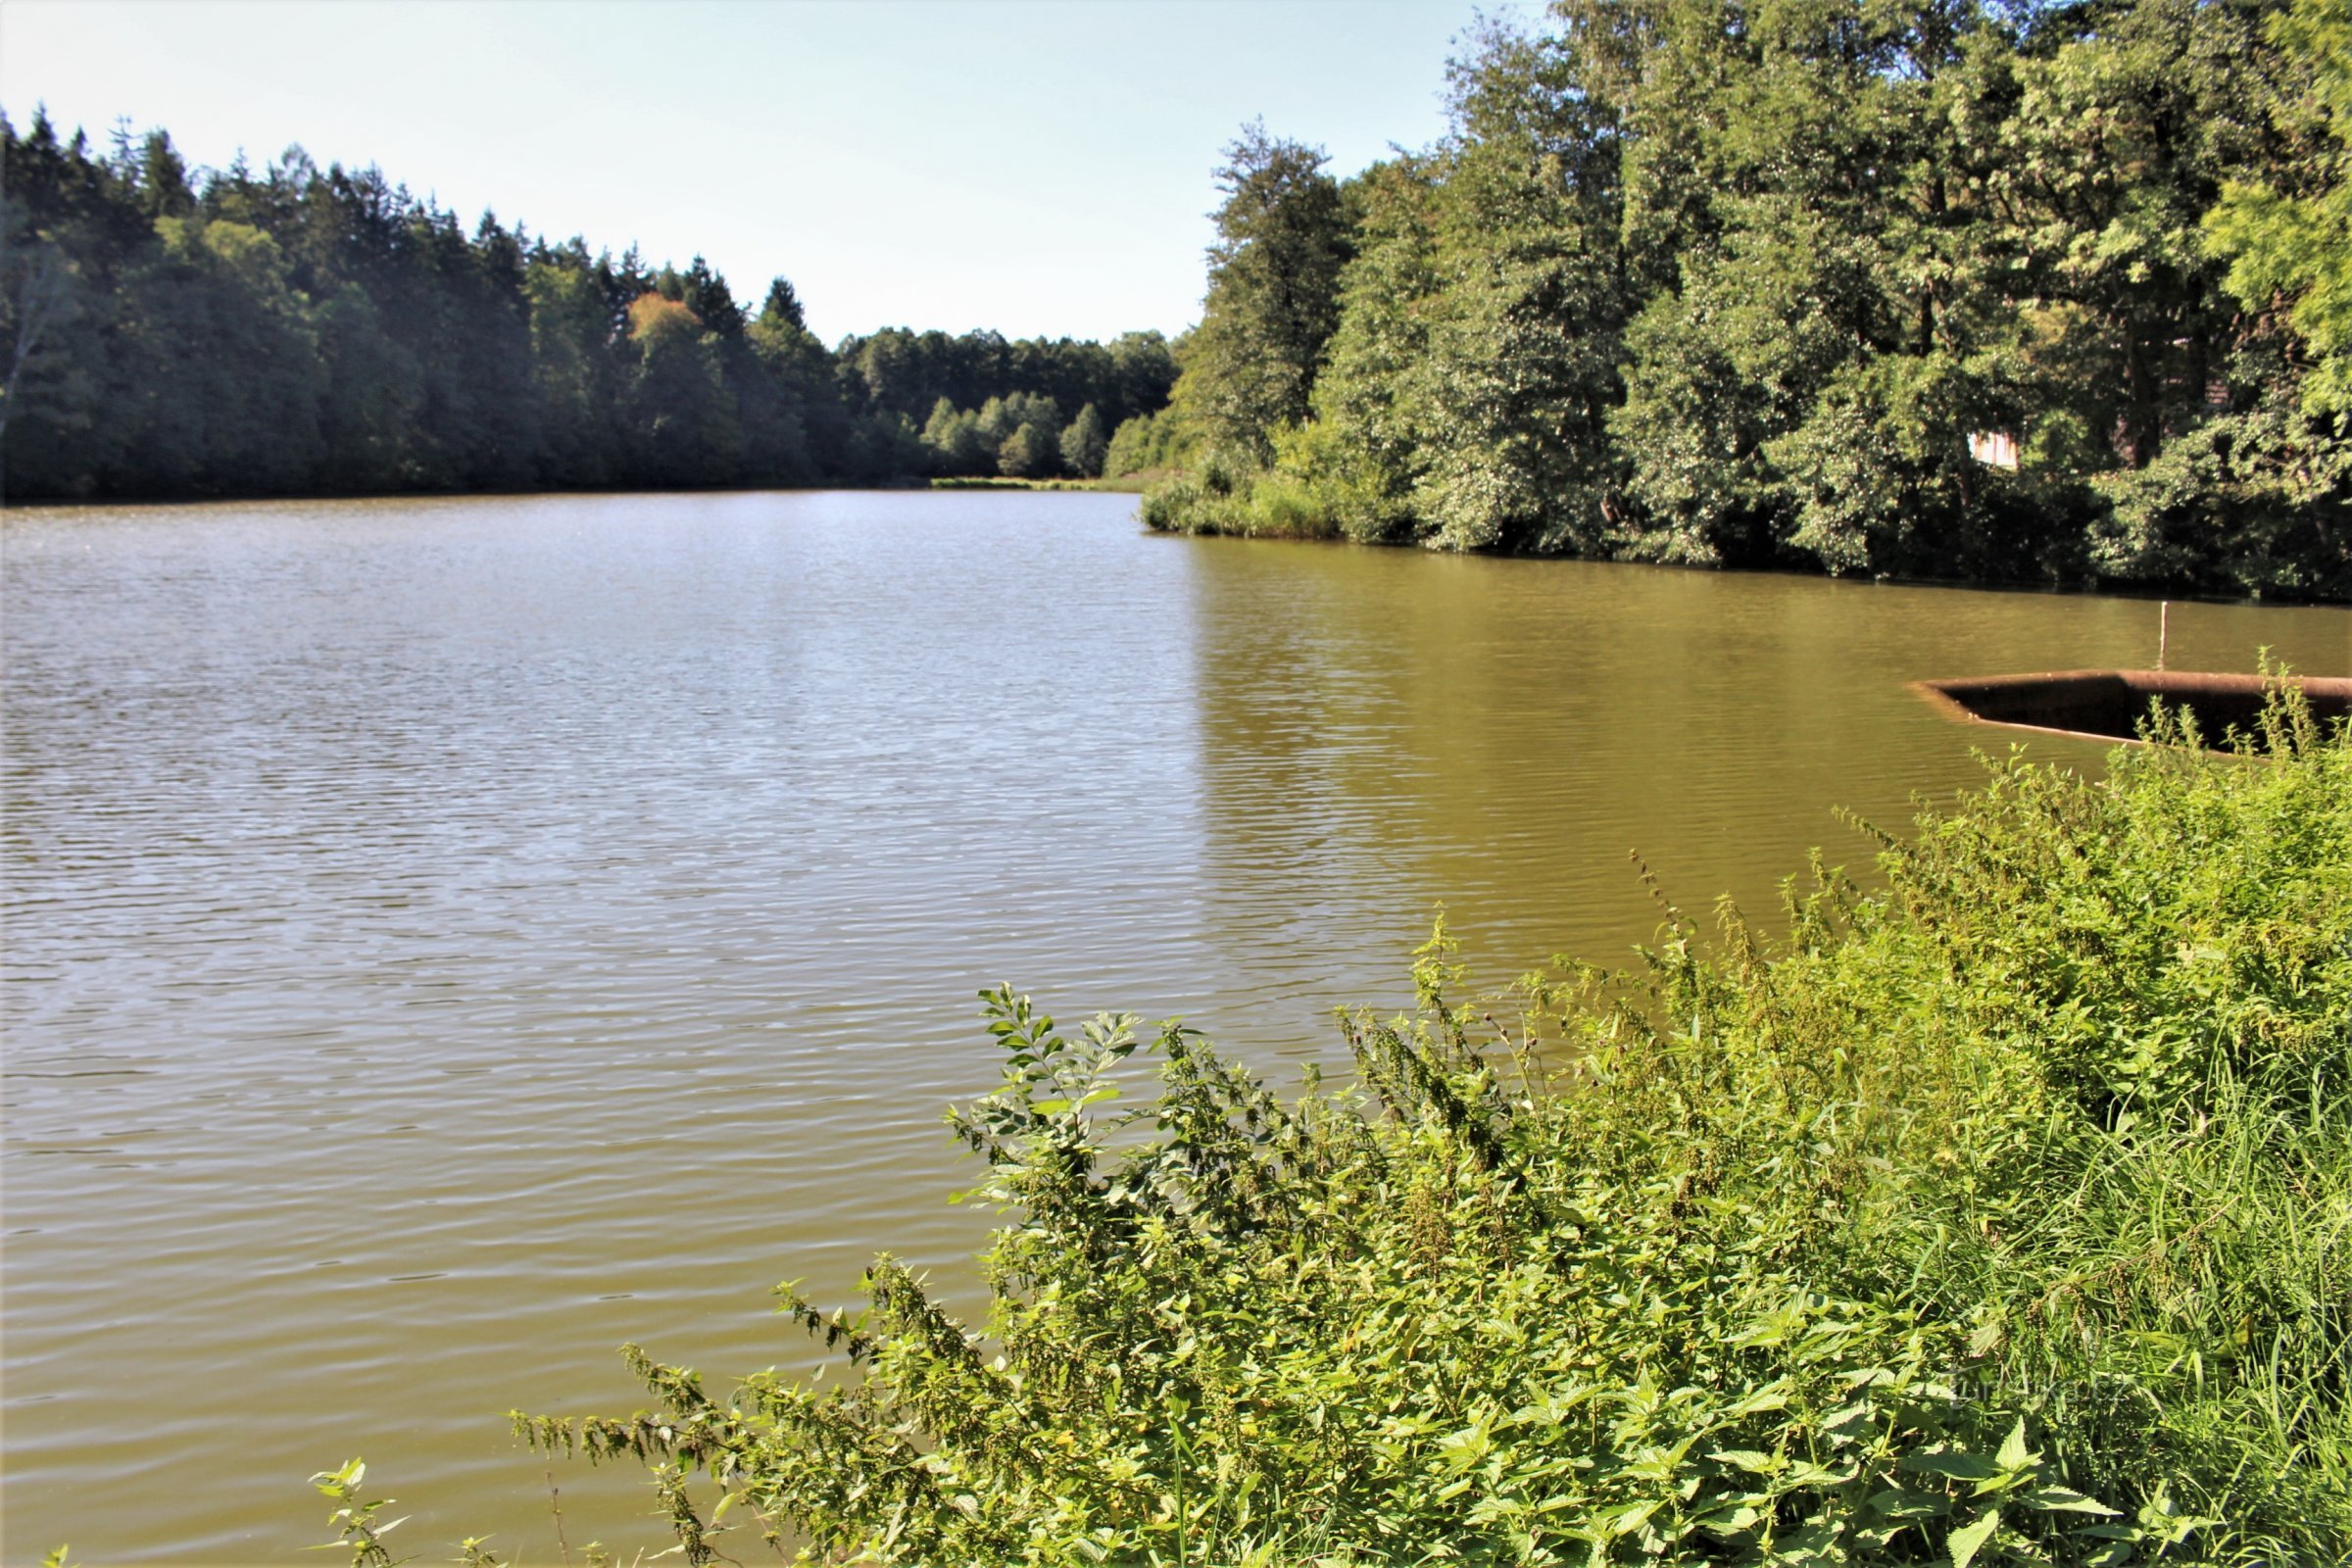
2001,1215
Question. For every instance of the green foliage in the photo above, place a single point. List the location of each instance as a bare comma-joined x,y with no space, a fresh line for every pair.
2003,1215
1145,443
2296,246
166,333
1746,285
46,318
954,441
244,413
1026,455
908,372
1085,444
1478,349
1019,436
1273,274
677,411
2240,503
355,1518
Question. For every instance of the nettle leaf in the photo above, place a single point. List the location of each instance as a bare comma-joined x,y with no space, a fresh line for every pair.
1958,1465
1816,1475
1905,1502
1464,1448
1843,1423
2062,1499
1625,1520
1772,1396
1966,1542
1655,1463
1736,1519
2014,1456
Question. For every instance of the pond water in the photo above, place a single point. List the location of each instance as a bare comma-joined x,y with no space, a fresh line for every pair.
446,939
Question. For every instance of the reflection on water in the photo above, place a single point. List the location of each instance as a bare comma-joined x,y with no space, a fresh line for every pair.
1386,730
445,938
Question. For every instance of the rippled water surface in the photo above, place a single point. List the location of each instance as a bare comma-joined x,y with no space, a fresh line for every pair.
446,939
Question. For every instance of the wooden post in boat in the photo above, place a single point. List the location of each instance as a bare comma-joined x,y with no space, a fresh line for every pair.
2164,630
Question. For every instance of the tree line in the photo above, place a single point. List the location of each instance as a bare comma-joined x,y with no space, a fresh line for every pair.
2051,292
168,333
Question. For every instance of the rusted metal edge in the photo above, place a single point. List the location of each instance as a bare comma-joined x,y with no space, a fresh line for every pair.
1950,697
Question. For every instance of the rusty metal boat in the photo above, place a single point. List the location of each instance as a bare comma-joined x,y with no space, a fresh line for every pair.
2112,703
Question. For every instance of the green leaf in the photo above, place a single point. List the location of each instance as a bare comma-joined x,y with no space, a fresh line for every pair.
1773,1396
1731,1521
1630,1519
2013,1454
1957,1466
1815,1474
1838,1420
1748,1459
2062,1500
1966,1542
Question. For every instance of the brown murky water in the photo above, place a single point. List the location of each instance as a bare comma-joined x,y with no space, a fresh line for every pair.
446,939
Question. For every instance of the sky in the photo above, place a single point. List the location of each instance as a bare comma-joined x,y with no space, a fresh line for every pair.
1043,168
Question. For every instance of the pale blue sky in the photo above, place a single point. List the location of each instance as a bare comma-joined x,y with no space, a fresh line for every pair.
1039,167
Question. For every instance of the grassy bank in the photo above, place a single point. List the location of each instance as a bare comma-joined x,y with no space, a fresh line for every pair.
2000,1216
1224,497
1123,485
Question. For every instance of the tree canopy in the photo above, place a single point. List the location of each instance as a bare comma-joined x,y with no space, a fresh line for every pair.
1282,238
2054,293
169,332
2289,233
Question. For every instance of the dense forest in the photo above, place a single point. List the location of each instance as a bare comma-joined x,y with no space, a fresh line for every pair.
169,332
2026,292
2049,292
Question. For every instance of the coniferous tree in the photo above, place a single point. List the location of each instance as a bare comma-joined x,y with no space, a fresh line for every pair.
783,305
168,331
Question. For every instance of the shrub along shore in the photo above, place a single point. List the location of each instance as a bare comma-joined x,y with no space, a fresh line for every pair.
2003,1214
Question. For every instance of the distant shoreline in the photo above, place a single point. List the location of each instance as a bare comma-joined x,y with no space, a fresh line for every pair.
1124,484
